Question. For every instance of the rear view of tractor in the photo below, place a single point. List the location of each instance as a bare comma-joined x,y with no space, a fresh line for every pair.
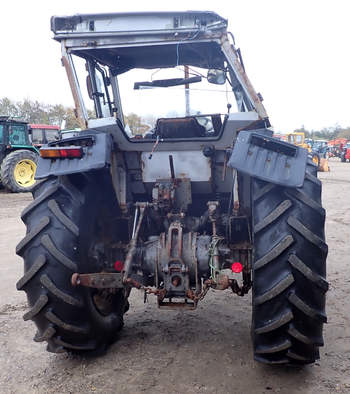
18,157
188,194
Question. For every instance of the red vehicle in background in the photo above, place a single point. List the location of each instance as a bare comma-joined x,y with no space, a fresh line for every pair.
336,147
345,154
41,134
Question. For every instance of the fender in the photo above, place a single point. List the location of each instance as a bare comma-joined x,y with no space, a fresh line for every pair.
97,148
261,156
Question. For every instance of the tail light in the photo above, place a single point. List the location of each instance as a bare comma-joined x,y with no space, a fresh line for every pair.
61,153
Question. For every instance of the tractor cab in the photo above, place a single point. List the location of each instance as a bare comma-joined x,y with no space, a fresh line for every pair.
176,78
298,138
13,135
41,134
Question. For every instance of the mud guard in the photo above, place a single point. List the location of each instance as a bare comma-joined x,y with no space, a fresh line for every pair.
97,149
261,156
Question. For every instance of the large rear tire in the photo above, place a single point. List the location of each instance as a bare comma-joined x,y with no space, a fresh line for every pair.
289,271
61,228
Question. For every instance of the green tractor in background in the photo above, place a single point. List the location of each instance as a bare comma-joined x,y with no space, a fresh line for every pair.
18,157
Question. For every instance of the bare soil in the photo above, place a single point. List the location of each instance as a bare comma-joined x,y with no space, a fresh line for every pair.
204,351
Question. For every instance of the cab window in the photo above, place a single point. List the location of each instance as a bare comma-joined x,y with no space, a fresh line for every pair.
17,135
37,136
1,133
52,135
299,139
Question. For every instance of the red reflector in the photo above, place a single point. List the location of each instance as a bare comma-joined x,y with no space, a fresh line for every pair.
71,152
237,267
118,266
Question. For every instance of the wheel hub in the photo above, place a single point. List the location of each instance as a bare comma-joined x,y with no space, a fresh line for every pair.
24,172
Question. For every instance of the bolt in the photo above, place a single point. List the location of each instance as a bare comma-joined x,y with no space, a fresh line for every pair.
176,281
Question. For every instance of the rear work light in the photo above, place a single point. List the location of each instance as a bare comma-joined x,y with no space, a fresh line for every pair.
61,153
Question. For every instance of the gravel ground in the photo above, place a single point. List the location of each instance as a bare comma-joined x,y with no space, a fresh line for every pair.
203,351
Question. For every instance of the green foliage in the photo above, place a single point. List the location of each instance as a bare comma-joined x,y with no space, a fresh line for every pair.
344,133
35,112
138,124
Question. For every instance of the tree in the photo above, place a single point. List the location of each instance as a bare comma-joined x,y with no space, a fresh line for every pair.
36,112
8,108
344,133
136,124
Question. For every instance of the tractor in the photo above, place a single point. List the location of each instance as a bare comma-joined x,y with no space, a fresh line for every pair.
18,157
201,198
298,138
345,153
41,134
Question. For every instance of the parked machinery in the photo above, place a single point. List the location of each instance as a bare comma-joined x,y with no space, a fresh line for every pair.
205,199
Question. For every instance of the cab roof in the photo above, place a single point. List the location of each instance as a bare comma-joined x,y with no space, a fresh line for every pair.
124,41
141,23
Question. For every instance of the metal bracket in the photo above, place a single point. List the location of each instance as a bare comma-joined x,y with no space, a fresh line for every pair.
102,280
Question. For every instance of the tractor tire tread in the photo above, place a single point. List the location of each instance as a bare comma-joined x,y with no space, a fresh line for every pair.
57,212
274,215
307,272
37,307
46,335
274,324
61,312
48,244
38,201
289,272
83,347
275,290
39,262
68,299
306,309
274,252
66,326
32,234
307,234
274,348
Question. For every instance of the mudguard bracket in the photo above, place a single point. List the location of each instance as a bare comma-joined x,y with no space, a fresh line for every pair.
267,158
97,155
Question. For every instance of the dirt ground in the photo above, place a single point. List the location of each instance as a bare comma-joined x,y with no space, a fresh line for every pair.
204,351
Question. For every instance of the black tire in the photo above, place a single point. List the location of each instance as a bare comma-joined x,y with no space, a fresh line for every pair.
316,159
289,271
60,230
8,166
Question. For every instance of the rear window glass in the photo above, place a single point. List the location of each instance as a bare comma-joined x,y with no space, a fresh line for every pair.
37,136
52,135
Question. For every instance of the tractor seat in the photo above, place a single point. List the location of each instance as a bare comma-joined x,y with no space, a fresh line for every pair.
187,127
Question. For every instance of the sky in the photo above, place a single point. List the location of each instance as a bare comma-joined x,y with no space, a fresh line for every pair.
296,52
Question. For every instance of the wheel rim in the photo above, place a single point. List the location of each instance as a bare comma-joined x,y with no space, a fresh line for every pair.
24,172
